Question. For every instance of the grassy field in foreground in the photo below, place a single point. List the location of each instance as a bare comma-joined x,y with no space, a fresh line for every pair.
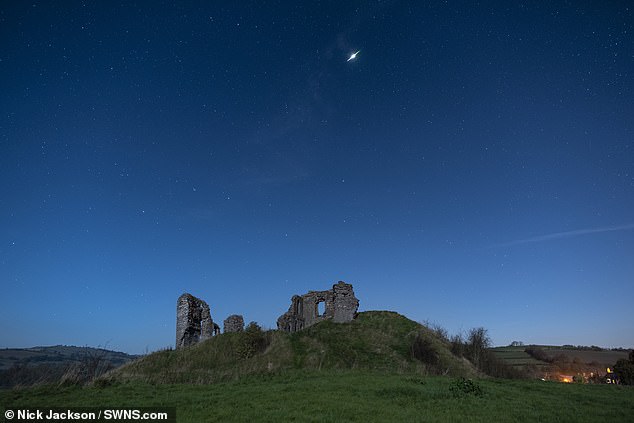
348,397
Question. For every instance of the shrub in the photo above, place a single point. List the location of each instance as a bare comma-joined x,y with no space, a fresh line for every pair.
457,346
423,349
494,366
252,341
624,370
463,387
92,365
478,342
476,350
440,332
538,354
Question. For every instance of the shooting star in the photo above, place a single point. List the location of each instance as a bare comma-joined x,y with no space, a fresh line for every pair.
568,234
353,56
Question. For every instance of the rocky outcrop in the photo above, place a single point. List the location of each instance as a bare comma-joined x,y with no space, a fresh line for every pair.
234,323
193,321
340,305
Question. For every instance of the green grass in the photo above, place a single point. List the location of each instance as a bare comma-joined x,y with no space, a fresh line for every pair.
375,341
363,371
349,396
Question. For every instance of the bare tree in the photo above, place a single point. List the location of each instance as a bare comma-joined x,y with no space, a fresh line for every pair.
477,343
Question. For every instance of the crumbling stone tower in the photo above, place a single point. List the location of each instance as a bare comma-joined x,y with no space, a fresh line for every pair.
193,321
234,323
340,305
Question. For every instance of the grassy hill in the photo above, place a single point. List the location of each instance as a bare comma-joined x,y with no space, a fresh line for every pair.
382,367
376,340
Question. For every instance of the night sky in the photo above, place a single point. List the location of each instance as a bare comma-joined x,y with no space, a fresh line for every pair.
472,166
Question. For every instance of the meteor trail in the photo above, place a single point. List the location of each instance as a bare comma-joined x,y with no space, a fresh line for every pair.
353,56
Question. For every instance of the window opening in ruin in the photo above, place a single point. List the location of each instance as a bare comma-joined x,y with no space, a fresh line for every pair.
321,308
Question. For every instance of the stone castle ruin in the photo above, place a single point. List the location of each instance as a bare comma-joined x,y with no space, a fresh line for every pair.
234,323
340,305
194,323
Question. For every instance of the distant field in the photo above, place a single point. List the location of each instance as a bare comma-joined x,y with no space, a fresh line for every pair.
605,358
349,396
58,355
516,357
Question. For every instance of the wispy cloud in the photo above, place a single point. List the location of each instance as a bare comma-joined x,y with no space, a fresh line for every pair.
568,234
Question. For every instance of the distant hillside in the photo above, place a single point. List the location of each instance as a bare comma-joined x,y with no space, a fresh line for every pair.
557,362
28,366
599,357
517,357
375,340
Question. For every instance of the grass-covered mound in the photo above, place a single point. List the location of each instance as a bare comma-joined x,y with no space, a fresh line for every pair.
381,367
377,340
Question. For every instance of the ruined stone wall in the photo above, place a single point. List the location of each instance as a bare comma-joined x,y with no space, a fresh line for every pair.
193,321
345,304
234,323
340,305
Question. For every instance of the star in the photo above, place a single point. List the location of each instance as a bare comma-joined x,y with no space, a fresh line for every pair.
353,56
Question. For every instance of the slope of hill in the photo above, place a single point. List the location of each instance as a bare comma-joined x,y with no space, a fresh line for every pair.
376,340
27,366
